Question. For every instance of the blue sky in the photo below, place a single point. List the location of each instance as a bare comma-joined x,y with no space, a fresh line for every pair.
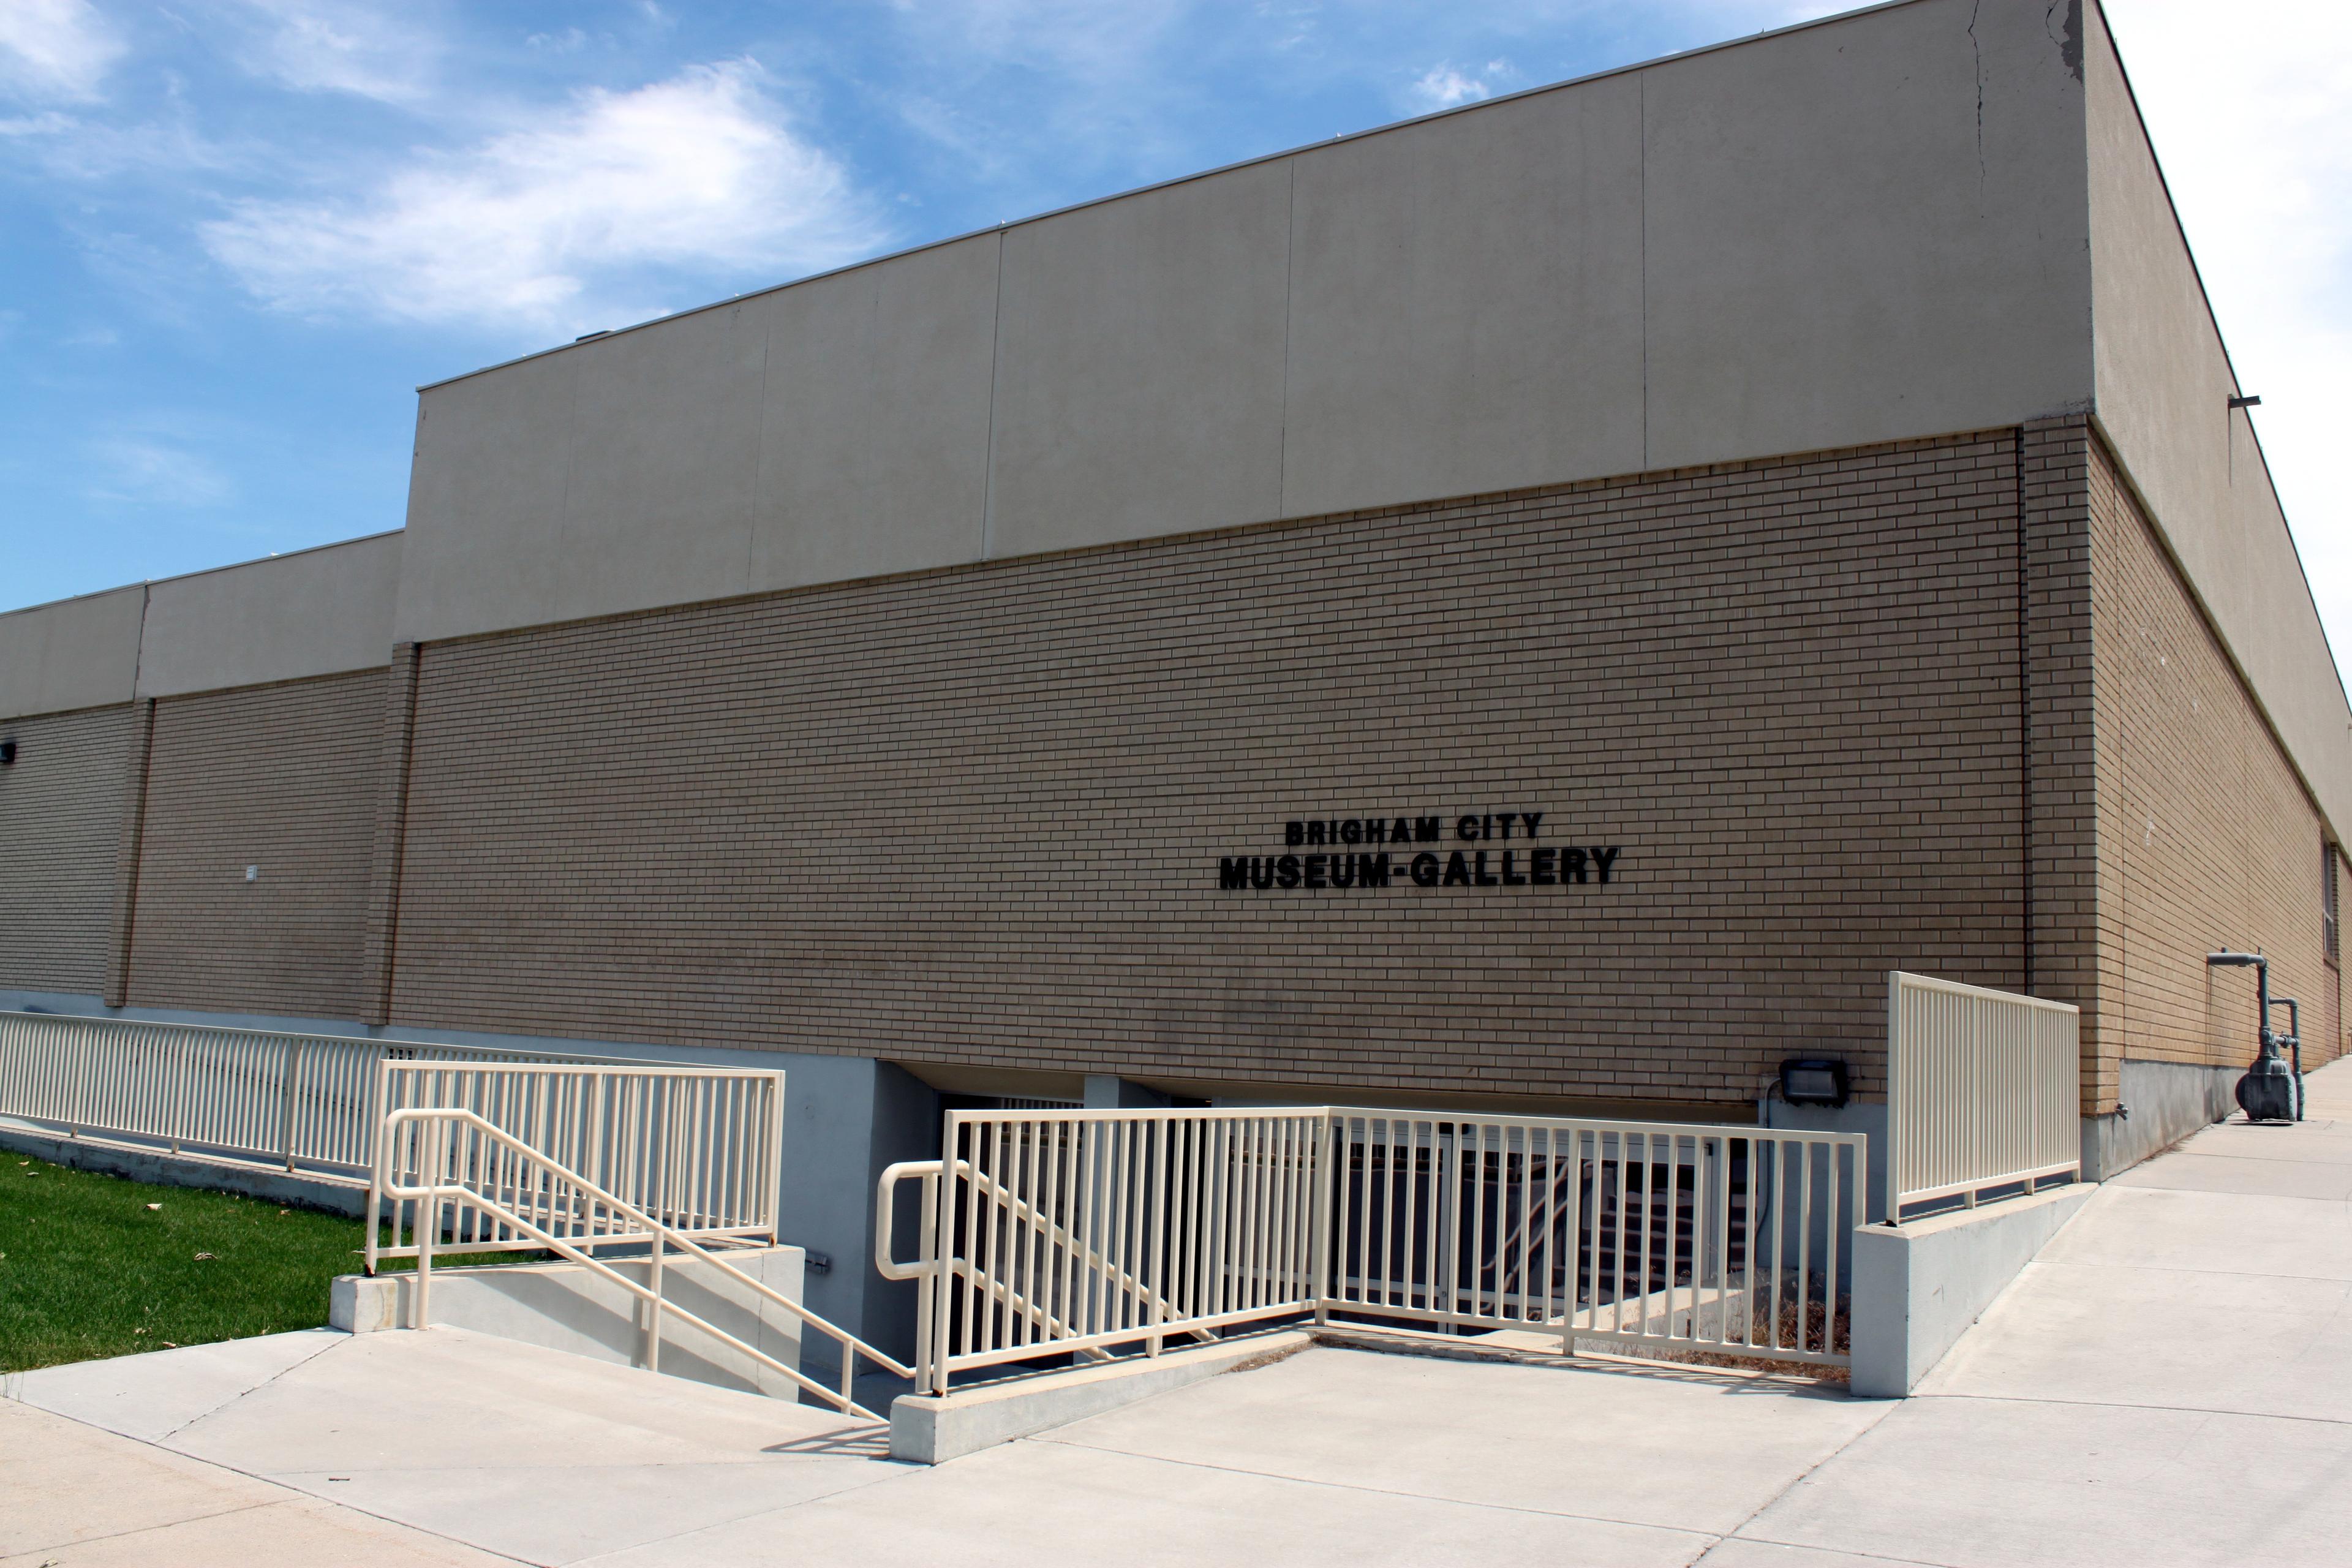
235,235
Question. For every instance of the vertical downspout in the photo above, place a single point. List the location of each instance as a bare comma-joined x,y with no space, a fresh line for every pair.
2024,719
131,831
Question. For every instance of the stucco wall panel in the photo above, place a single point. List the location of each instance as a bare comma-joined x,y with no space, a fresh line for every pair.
487,500
73,654
1466,305
319,612
1139,366
60,814
904,350
284,778
664,460
1865,229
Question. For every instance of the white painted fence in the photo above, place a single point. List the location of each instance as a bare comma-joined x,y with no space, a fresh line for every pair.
1983,1090
1048,1232
695,1149
298,1102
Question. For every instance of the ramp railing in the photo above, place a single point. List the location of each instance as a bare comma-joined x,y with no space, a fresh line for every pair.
1647,1235
695,1147
1049,1232
1983,1090
293,1101
459,1174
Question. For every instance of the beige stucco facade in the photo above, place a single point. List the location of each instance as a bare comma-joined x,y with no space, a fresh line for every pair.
1687,262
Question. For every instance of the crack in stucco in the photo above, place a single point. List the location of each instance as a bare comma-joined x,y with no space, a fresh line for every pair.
1978,49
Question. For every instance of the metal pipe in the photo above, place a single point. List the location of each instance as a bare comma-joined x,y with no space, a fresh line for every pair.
2292,1041
2270,1041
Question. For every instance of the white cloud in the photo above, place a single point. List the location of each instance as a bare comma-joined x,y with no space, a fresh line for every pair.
340,45
143,470
2256,143
701,173
1442,87
48,122
55,49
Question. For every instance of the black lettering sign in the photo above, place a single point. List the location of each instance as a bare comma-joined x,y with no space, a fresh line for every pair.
1335,870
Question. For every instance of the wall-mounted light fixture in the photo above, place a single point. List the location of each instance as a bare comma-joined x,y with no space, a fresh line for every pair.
253,873
1813,1080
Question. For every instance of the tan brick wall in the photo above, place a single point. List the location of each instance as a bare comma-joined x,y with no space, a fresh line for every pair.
975,817
2054,474
60,813
2207,838
283,777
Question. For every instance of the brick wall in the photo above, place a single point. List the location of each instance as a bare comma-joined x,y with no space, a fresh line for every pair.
2207,838
976,816
2054,458
60,814
283,777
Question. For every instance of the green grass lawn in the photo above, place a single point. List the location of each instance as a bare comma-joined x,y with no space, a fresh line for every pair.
95,1266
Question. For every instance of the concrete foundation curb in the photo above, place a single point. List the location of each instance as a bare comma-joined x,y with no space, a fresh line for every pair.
310,1190
1918,1287
931,1429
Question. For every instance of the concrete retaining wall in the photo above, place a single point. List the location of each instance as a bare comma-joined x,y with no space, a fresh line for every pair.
569,1307
931,1429
331,1194
1918,1287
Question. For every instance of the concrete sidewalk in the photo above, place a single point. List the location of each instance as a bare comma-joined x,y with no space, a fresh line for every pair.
2171,1384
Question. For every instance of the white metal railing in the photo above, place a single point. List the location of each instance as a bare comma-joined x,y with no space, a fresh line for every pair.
301,1102
697,1148
1982,1088
1049,1232
471,1177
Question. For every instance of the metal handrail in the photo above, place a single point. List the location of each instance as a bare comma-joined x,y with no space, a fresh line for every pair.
1052,1232
1983,1091
298,1102
661,1238
699,1145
